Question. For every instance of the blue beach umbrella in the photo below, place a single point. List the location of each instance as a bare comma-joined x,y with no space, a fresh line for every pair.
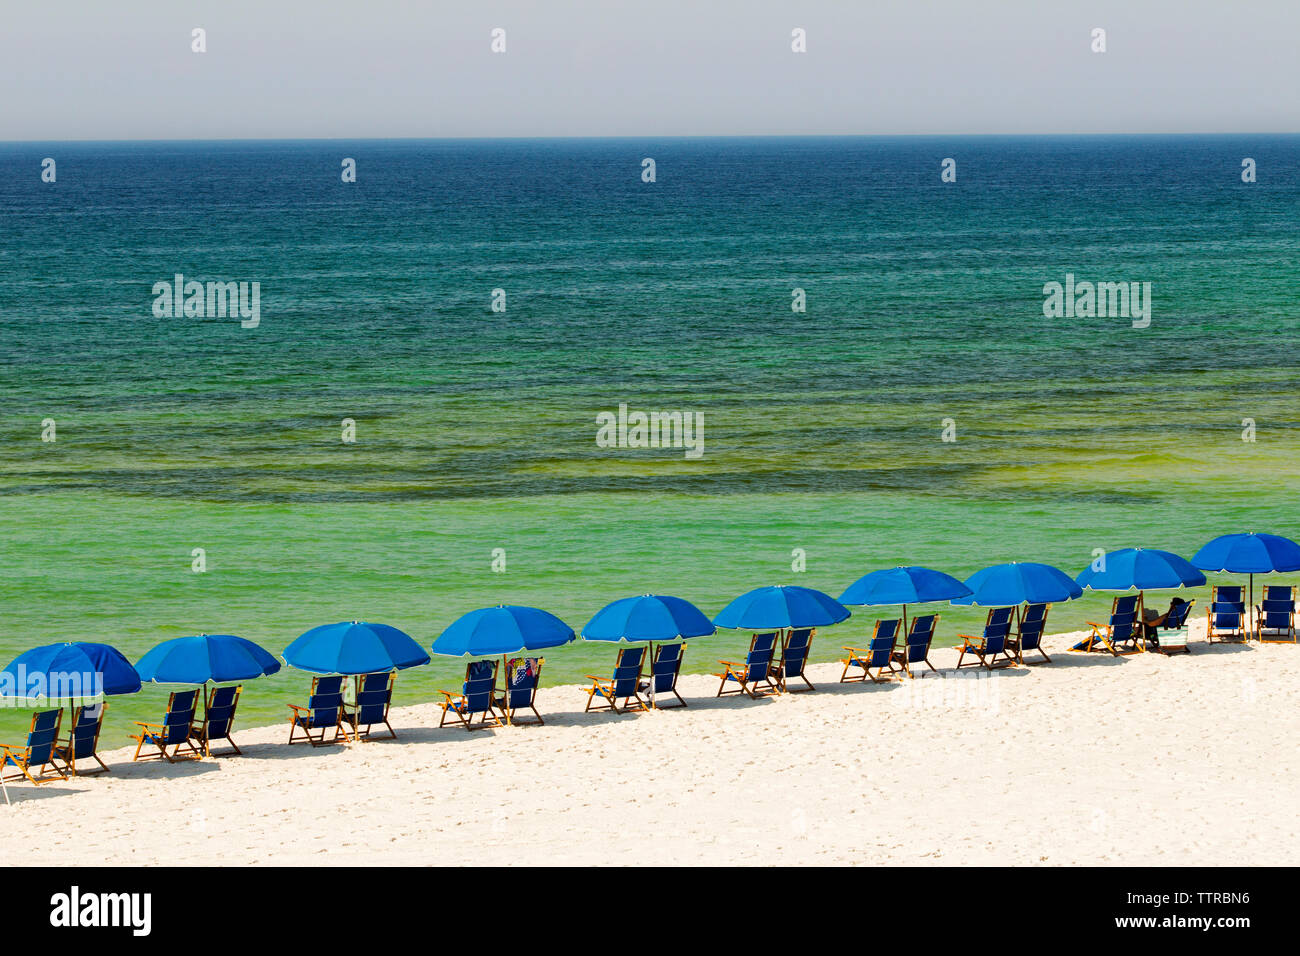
1141,569
205,658
77,669
354,648
1020,582
779,607
903,585
649,617
504,629
1249,553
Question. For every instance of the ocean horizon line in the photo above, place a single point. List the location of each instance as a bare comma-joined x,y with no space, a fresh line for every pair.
662,137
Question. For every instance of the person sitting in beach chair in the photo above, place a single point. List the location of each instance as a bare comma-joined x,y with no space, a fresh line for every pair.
42,738
175,731
1153,620
794,658
83,740
374,695
1167,632
626,683
879,653
757,668
664,670
1226,614
989,649
522,675
916,646
1275,616
1119,635
475,697
322,713
218,719
1029,633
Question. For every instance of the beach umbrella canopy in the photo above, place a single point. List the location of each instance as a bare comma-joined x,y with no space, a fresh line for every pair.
781,606
354,647
903,585
205,658
504,629
1141,569
650,617
76,669
1249,553
1020,582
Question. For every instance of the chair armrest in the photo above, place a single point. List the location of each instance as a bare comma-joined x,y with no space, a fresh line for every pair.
854,650
141,723
1093,624
448,694
728,663
296,709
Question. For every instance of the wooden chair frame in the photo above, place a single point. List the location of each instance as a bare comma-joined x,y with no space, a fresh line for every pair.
21,757
503,702
455,704
151,733
672,687
1016,643
1234,635
1288,634
352,717
68,752
1103,636
200,730
978,645
739,672
902,656
606,687
300,719
778,669
860,657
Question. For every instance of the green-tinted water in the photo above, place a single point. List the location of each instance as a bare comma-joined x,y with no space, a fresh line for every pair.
476,430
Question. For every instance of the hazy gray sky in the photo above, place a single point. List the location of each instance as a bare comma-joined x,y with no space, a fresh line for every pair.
320,68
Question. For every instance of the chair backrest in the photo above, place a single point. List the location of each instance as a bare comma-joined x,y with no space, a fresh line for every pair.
1033,621
666,666
997,629
759,659
480,681
919,635
325,701
794,655
627,671
881,647
86,723
1124,618
373,697
179,718
1176,619
522,674
43,736
219,714
1227,607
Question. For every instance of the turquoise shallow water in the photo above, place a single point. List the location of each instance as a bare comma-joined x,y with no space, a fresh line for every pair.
476,430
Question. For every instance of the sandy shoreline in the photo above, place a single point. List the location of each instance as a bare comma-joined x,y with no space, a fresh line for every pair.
1087,760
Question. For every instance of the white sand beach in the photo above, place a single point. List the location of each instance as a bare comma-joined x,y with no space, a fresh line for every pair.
1087,760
